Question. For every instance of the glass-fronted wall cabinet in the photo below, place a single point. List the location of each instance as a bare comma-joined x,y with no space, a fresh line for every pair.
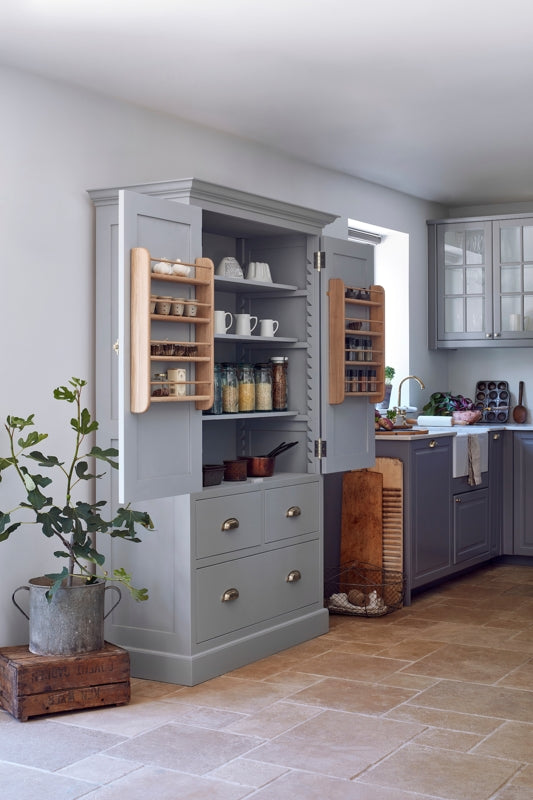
481,282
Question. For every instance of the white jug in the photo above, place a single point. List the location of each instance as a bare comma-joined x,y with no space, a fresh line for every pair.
245,324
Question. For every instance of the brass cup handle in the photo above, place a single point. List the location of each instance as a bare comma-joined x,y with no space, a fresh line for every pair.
230,524
294,576
495,436
293,511
432,444
230,594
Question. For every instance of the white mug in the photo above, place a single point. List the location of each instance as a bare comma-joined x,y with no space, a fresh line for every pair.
245,324
222,325
268,327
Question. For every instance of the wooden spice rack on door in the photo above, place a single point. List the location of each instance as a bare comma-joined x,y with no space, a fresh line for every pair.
196,352
356,313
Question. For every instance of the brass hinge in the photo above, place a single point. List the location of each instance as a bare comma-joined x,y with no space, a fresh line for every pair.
320,260
321,448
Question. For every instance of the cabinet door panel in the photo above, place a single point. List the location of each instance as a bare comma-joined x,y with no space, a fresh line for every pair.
471,525
348,428
160,450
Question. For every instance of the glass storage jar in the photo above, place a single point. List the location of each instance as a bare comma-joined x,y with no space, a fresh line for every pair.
230,389
216,408
263,387
246,388
279,383
160,385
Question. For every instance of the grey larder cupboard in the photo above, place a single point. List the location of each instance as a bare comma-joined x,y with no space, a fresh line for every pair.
235,572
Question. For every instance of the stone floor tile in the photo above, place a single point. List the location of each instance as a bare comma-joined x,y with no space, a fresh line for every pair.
274,720
128,720
26,783
99,769
345,695
352,666
474,698
513,740
247,772
447,739
440,718
51,745
163,784
457,776
185,748
465,663
234,694
304,786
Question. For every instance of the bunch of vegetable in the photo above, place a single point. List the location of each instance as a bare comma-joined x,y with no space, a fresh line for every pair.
386,423
443,404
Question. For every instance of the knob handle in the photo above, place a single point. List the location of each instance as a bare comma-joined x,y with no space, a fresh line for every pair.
294,511
230,524
294,576
457,499
495,436
229,595
432,444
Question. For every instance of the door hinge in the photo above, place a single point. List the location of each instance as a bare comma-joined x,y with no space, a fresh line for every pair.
320,260
321,448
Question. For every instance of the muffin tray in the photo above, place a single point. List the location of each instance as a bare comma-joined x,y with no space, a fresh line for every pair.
492,399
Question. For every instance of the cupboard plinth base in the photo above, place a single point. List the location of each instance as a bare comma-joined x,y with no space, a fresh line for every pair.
200,667
32,685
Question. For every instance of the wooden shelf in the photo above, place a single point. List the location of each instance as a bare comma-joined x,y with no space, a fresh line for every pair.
142,322
372,327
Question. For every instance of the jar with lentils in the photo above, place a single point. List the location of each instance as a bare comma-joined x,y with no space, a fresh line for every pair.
279,383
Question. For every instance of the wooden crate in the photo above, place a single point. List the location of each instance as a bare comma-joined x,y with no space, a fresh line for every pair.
31,685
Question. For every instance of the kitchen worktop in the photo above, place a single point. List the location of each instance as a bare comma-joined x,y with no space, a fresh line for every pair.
454,430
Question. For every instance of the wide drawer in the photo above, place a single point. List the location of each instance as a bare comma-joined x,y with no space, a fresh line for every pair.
257,588
225,524
291,511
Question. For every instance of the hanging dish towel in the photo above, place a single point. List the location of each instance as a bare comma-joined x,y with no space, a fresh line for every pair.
474,461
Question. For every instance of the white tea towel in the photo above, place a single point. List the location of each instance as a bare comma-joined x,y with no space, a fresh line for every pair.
474,461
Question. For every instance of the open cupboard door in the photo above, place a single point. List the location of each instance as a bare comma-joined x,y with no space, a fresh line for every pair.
347,435
159,452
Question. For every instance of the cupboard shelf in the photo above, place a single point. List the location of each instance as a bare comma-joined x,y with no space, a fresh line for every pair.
371,326
142,321
244,286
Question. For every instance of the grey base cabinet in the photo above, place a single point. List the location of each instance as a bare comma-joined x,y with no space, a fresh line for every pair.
522,494
234,572
471,528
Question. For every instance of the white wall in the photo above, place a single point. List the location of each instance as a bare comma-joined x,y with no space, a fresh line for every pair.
55,143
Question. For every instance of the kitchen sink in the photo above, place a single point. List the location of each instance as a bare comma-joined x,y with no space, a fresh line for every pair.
460,448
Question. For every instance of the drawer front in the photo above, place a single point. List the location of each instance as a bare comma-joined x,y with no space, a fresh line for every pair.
263,585
225,524
292,511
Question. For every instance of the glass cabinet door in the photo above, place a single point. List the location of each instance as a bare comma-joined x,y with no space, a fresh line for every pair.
464,261
513,278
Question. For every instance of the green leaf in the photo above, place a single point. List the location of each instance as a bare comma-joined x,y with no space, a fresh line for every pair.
29,483
63,393
32,439
127,518
18,423
123,577
6,462
57,579
105,455
5,519
44,461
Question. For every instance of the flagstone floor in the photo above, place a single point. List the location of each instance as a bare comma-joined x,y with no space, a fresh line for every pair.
431,702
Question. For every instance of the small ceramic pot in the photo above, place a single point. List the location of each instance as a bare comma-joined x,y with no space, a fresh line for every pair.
191,308
162,305
177,307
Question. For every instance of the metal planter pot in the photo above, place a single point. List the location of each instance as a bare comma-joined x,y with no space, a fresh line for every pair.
72,623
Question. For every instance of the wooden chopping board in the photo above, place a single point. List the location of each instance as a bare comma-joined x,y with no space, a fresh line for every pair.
362,517
401,432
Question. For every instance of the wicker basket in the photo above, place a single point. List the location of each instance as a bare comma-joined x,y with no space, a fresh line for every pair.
363,590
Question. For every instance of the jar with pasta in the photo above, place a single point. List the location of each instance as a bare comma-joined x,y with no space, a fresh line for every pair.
230,389
263,387
246,388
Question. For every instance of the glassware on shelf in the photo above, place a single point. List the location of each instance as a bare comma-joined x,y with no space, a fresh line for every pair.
263,387
279,383
160,386
246,388
230,389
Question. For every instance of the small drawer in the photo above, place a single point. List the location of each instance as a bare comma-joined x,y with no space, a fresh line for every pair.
225,524
292,511
255,588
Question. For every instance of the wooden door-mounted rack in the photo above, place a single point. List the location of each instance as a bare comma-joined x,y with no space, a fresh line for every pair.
356,315
148,348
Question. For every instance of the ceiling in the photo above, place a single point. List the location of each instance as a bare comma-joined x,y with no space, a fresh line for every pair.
430,98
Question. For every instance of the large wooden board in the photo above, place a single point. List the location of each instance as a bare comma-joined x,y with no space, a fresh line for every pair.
362,517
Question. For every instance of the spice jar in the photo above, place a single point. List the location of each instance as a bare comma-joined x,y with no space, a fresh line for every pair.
279,383
263,387
246,388
160,387
230,389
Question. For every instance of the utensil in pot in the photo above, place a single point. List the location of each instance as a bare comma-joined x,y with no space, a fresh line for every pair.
520,411
281,448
